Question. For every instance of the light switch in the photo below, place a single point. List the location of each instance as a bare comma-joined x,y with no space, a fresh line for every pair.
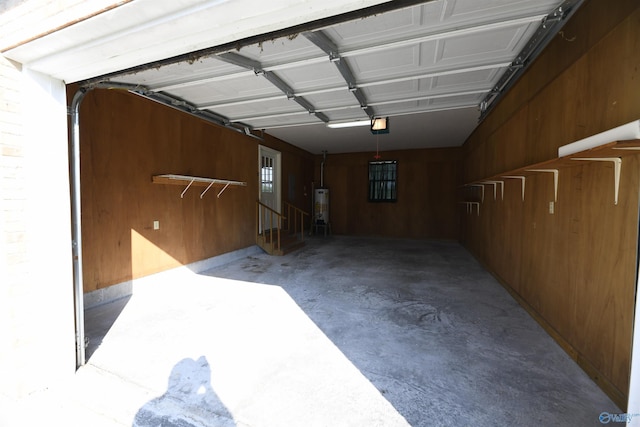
156,225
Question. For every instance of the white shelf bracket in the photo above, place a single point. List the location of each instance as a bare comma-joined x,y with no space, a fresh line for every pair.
494,187
179,179
477,204
617,166
205,190
495,184
555,180
481,190
224,188
521,178
470,205
185,190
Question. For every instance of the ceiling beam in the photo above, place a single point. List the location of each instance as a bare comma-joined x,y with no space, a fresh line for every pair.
400,113
361,85
241,61
349,52
321,40
248,63
354,107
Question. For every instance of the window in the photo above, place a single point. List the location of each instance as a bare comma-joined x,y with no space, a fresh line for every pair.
383,177
267,174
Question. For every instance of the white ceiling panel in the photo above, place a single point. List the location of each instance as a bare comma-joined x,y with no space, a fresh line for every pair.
314,76
245,87
467,81
259,109
499,44
378,29
465,11
396,90
280,51
345,114
184,73
299,120
333,99
407,132
143,31
401,61
425,105
431,66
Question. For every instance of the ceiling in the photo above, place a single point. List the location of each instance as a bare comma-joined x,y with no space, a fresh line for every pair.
432,68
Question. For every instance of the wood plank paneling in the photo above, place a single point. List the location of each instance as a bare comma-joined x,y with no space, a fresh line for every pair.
125,140
427,205
588,26
574,269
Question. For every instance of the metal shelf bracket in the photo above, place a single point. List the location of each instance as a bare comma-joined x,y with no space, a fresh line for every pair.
186,188
617,166
208,182
224,188
555,180
521,178
470,206
206,189
477,205
495,185
481,190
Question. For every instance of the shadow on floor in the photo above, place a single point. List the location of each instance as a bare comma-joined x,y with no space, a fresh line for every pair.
98,322
188,402
433,331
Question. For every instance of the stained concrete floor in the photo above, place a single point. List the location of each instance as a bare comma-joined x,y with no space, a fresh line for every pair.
346,332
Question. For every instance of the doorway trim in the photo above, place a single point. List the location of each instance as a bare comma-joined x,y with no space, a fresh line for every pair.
277,175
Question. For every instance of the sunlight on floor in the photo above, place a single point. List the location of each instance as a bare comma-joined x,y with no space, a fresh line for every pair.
269,363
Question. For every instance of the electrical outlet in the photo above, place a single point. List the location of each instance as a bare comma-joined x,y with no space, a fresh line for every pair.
552,207
156,225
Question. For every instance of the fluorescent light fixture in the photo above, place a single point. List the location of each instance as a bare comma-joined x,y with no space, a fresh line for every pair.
338,125
380,125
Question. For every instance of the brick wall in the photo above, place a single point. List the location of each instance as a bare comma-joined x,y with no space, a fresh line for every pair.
36,297
13,245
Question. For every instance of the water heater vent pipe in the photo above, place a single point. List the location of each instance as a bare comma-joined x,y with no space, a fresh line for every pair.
324,159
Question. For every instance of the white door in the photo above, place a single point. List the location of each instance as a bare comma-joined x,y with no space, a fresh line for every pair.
269,172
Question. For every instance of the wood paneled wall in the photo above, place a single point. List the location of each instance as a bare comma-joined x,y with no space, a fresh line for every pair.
426,206
574,270
124,141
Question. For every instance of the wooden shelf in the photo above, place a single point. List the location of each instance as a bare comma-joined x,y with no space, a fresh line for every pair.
612,152
195,181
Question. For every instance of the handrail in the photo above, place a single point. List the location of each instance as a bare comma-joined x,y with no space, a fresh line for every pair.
296,211
262,212
270,209
272,221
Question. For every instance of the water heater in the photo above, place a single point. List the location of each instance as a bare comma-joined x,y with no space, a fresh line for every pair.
321,206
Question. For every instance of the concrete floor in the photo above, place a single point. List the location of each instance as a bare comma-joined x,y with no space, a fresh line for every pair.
346,332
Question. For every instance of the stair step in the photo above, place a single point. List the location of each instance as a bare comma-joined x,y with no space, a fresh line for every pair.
288,243
291,247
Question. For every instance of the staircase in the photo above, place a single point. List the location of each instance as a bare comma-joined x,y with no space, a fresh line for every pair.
286,233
